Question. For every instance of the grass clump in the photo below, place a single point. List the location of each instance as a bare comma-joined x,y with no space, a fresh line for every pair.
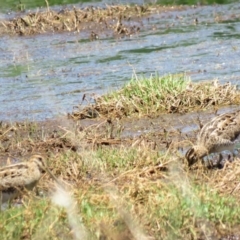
82,19
124,193
173,214
35,220
151,96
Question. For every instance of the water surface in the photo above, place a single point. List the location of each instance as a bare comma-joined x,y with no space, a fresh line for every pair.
43,76
23,5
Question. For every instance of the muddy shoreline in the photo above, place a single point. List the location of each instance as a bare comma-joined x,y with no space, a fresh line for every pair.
167,133
57,135
66,65
142,158
117,20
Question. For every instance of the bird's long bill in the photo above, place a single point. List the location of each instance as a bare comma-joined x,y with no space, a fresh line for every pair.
52,175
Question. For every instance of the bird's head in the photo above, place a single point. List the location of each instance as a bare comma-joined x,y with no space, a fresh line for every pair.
195,153
40,162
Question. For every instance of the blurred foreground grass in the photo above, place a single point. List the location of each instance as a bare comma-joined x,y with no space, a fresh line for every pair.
125,187
126,193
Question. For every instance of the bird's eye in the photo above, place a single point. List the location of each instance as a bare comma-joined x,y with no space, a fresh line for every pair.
40,159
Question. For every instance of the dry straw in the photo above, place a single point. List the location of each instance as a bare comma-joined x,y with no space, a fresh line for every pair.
156,94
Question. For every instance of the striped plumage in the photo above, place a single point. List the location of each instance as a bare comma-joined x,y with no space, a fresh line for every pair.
17,177
220,134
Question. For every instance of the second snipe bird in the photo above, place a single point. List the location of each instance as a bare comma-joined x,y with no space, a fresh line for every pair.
221,133
17,177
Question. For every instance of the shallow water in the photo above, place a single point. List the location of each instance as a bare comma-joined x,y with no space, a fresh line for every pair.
13,5
43,76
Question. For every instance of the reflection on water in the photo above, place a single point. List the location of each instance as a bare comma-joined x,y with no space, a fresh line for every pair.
44,76
22,5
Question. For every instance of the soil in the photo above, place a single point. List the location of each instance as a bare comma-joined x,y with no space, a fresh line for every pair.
177,131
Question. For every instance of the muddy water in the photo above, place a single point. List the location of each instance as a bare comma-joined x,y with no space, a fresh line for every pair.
43,76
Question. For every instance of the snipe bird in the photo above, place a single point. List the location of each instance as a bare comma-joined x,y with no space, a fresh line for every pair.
221,133
17,177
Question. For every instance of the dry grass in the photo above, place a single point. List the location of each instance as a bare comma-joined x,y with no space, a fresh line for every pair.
119,192
20,139
129,193
155,95
119,189
118,19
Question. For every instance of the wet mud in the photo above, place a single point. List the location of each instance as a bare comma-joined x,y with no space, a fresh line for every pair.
177,131
168,134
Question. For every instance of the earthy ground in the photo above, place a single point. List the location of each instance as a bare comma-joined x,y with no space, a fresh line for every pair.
168,133
175,131
148,172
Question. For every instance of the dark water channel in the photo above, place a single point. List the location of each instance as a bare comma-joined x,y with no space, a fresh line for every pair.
44,76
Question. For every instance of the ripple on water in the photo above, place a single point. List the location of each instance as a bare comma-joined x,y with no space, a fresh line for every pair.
44,76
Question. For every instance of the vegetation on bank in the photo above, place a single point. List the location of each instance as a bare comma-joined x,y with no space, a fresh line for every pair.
124,187
120,20
126,193
159,94
129,190
97,22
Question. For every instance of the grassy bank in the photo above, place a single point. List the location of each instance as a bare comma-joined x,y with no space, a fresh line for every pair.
159,94
115,19
126,193
125,187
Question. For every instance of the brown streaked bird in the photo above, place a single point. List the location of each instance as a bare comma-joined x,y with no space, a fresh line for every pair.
17,177
221,133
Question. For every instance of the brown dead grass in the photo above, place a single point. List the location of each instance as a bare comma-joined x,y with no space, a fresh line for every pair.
127,102
118,19
21,139
227,181
123,189
134,194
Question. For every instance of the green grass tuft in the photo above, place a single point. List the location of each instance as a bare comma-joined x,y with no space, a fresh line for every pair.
157,94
